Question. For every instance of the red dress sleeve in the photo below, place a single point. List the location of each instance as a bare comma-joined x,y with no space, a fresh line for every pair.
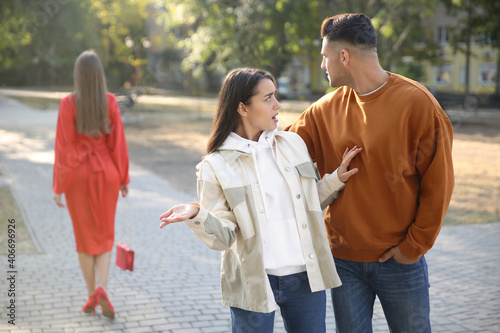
116,141
66,156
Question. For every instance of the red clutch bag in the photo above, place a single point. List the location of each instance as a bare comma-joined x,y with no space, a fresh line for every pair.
124,257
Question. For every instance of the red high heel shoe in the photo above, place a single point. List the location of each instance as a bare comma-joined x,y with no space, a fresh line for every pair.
102,298
90,305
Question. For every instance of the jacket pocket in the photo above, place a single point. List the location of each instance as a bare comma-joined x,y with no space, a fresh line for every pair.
308,179
306,170
237,199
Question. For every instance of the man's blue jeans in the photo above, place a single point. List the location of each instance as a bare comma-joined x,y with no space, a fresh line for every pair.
302,310
403,291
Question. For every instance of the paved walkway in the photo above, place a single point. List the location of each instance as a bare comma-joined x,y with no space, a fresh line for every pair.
175,284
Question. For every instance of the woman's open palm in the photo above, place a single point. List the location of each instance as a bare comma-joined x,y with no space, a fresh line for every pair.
178,213
343,172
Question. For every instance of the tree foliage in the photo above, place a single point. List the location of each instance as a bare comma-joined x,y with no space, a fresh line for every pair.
266,33
40,40
232,33
484,19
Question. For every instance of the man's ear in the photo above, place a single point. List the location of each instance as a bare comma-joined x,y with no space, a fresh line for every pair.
345,57
242,109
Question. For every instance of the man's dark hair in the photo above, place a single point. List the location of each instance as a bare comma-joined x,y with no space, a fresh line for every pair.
355,29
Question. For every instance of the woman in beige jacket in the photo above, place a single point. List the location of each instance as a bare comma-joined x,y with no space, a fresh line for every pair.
260,204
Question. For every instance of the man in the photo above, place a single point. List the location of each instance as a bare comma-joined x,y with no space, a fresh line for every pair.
390,214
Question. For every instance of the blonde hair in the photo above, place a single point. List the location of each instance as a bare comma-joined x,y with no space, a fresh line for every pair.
91,95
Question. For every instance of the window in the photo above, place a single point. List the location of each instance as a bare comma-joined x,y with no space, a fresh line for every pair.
442,75
442,35
487,73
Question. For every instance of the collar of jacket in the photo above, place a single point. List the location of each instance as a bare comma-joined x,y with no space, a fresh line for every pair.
235,146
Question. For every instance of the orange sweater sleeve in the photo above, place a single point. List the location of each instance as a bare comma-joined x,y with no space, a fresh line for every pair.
307,126
435,166
116,141
314,128
303,127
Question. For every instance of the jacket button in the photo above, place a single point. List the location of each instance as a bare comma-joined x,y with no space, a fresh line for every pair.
197,223
288,168
304,226
312,256
298,196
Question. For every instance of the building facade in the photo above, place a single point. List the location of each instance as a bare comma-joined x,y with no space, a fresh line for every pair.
449,74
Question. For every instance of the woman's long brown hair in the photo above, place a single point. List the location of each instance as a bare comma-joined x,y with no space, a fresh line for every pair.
91,95
238,87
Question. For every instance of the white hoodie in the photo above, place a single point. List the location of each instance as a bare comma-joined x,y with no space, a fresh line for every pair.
280,237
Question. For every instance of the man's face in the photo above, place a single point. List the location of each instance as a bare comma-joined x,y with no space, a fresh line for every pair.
332,64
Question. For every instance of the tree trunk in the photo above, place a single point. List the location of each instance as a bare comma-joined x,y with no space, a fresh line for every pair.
497,83
467,54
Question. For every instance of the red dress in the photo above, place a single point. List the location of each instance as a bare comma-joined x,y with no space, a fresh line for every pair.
89,171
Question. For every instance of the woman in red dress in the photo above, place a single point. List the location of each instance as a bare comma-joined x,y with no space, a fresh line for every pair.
91,168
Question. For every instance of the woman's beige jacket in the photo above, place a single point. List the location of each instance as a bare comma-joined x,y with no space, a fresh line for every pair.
231,211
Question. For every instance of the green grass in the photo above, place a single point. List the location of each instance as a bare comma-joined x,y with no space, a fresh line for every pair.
9,210
38,102
457,216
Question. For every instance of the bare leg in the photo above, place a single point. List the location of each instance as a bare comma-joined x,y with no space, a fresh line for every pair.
102,262
87,265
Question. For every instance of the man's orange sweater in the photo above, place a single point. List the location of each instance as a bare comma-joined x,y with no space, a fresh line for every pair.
405,180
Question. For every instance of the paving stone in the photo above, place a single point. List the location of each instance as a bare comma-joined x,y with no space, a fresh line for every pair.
132,324
154,322
140,329
167,327
187,330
